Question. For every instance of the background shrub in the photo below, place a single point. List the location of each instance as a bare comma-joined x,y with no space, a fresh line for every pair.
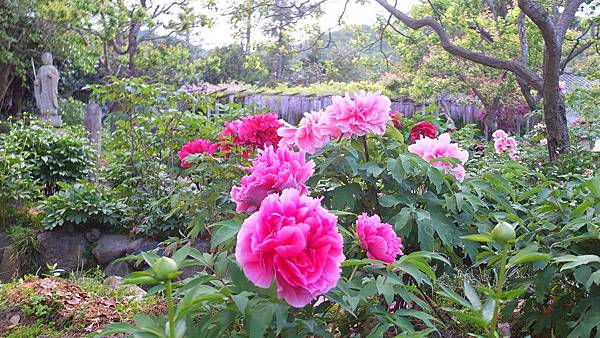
82,203
72,111
18,188
52,155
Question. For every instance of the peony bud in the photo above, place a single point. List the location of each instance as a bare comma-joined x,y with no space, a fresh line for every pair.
503,233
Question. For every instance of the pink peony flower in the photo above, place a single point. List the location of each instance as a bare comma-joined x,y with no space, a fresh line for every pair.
499,134
505,144
379,239
272,171
562,86
430,149
259,130
195,147
294,239
313,133
364,113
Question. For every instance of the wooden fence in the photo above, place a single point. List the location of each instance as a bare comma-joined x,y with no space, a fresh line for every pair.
292,107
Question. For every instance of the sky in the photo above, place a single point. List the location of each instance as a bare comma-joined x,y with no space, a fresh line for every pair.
356,14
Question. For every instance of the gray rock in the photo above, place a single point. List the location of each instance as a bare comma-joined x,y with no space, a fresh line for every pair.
9,267
117,269
65,249
142,245
116,282
202,245
93,235
3,242
110,247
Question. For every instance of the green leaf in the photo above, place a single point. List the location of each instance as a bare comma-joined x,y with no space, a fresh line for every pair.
354,262
594,278
384,289
594,185
373,169
261,316
344,197
425,229
471,294
574,261
455,297
478,238
241,301
379,330
228,230
528,257
487,312
115,328
435,177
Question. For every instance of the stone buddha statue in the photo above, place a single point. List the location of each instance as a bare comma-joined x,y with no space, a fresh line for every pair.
46,91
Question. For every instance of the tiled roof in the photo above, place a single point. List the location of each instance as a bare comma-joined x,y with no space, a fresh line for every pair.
574,81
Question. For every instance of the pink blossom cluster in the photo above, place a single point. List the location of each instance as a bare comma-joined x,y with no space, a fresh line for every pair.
198,146
313,132
347,116
379,239
431,148
253,131
272,171
293,239
505,144
290,237
248,133
562,87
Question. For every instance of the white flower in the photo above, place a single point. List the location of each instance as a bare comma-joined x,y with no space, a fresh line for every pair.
543,142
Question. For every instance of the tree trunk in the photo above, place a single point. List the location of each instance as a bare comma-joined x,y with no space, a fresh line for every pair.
555,116
555,112
17,98
6,76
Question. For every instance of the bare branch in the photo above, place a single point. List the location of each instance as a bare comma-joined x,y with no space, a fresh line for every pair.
523,41
566,18
577,49
511,65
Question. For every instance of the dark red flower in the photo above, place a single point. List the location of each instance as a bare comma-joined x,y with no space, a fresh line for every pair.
396,116
423,129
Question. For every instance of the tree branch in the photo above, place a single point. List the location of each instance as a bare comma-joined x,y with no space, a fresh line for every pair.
512,65
566,18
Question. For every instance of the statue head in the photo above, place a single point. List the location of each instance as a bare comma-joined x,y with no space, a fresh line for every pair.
47,58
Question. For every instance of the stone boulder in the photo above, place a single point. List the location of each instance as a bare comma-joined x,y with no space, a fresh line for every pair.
63,248
9,266
4,242
93,235
110,247
116,282
142,245
121,269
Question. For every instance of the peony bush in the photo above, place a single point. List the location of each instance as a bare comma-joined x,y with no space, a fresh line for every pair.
361,222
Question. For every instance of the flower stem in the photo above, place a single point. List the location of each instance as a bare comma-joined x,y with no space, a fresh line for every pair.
170,309
366,147
499,287
353,272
